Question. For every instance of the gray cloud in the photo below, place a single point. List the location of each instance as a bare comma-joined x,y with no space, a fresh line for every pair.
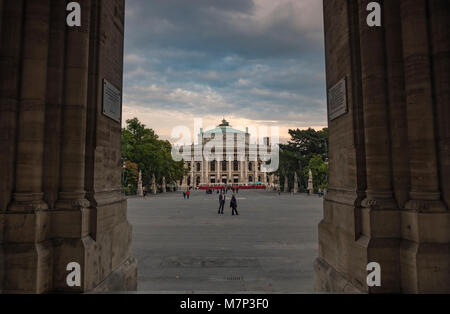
258,60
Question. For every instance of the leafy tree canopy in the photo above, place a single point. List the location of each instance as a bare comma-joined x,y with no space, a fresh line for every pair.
143,147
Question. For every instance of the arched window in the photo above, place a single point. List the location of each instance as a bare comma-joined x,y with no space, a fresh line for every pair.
198,167
250,179
213,165
250,166
224,165
235,165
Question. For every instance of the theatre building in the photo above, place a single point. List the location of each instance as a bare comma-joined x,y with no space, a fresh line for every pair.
235,161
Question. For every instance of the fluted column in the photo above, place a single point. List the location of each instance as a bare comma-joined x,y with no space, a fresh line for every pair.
230,169
202,173
193,181
1,17
440,42
54,103
72,192
379,194
10,58
219,179
424,193
27,220
246,170
30,127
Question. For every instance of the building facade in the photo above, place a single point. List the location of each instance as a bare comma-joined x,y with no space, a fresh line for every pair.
389,162
235,159
60,180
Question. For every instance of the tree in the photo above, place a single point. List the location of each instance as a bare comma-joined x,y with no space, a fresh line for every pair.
319,171
295,157
143,147
309,142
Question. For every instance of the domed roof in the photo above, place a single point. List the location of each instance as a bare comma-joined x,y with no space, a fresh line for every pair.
224,127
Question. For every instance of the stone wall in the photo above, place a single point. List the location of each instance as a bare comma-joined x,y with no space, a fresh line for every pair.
388,198
60,189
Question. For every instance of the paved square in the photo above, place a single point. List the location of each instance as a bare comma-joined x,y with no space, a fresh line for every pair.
185,246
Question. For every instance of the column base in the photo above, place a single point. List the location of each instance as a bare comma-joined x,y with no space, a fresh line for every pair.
328,280
123,279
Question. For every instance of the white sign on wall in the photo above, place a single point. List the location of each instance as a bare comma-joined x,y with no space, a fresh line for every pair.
337,100
112,102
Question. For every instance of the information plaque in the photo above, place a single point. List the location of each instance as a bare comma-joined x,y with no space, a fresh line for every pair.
112,102
337,100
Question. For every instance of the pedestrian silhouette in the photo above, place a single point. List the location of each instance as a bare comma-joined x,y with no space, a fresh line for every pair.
233,205
221,203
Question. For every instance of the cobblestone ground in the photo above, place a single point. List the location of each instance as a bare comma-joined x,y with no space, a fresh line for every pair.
184,246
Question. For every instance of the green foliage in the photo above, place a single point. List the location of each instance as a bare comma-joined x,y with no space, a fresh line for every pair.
143,147
319,171
303,151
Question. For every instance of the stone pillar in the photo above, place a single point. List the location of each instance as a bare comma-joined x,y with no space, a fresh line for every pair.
425,192
58,152
246,170
295,183
28,269
242,166
379,203
310,183
230,169
140,191
202,175
164,185
386,199
219,178
154,186
286,184
193,181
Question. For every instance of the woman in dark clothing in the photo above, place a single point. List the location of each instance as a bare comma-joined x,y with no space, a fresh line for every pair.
233,205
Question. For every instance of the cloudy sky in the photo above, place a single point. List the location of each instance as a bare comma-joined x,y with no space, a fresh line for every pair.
254,62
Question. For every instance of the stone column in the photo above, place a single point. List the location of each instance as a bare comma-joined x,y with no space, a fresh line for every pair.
230,169
27,220
242,166
164,185
425,192
10,58
379,203
219,179
295,183
440,43
193,181
202,172
140,191
154,186
310,183
286,184
379,193
246,170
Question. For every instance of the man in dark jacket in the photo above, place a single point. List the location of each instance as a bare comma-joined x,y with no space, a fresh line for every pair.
221,202
233,205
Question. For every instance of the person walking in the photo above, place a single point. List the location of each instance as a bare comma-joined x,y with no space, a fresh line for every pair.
188,193
221,203
233,205
184,194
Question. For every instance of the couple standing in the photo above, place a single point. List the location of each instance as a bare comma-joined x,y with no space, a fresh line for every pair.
233,203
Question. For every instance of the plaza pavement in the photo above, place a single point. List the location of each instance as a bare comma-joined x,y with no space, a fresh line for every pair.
184,246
